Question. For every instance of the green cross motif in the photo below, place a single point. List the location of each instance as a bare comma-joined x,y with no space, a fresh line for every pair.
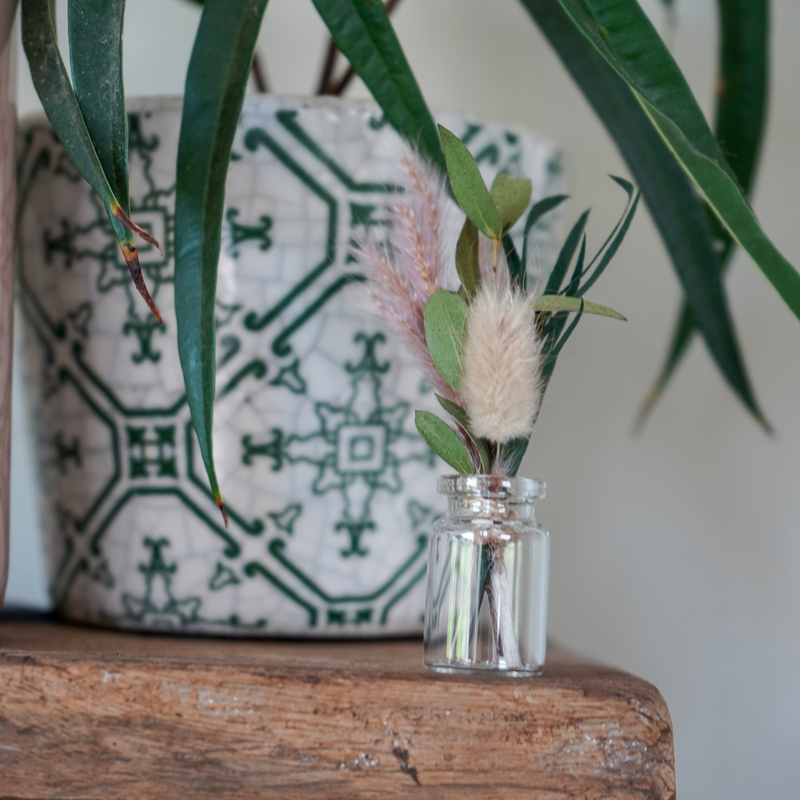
364,444
156,451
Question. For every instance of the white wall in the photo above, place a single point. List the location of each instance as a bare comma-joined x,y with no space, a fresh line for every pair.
676,554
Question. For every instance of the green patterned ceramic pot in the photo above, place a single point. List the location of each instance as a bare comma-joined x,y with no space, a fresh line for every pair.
330,490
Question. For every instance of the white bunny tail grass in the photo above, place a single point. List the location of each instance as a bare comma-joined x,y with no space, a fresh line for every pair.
501,359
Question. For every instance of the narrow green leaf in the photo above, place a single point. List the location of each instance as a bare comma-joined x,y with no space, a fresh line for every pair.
625,37
467,259
363,32
612,248
459,414
740,118
444,441
445,326
673,203
516,269
552,355
468,187
558,302
511,196
64,113
566,255
512,453
215,87
538,210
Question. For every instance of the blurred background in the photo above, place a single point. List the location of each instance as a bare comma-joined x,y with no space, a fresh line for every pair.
676,552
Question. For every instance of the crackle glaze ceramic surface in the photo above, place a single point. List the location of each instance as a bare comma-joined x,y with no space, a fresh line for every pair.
331,491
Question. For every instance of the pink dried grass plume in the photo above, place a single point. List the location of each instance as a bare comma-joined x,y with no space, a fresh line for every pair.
415,261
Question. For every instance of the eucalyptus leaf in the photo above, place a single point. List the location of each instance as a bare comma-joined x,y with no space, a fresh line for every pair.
444,441
468,187
467,264
557,302
459,414
511,196
445,327
363,32
215,86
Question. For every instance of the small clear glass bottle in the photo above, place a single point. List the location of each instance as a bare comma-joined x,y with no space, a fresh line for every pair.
488,568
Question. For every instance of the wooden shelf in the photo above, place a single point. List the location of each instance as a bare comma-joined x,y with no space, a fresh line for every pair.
93,714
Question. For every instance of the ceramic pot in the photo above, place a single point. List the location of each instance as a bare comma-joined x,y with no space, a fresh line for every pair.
330,490
8,121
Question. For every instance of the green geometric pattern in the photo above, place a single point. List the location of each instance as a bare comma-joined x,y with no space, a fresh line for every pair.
330,490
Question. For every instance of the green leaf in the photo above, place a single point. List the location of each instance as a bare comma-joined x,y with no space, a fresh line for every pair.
609,249
363,32
445,326
538,210
739,128
558,302
64,113
215,87
565,256
444,441
516,269
468,187
624,36
467,259
511,196
673,203
459,414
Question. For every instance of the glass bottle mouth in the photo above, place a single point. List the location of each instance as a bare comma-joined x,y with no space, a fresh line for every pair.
493,487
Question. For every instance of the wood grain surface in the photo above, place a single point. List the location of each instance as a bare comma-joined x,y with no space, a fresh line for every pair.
8,121
94,714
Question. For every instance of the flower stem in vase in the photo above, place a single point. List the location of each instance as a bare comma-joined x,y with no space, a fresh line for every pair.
497,595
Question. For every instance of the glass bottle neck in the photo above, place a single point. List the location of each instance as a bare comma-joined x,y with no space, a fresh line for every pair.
491,497
469,506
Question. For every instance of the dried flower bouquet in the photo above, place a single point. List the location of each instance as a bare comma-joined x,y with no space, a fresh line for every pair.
486,341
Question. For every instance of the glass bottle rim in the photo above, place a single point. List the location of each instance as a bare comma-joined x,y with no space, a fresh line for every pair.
495,487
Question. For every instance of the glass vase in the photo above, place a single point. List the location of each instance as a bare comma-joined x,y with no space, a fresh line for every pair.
488,567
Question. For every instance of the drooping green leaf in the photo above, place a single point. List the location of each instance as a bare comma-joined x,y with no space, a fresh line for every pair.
64,113
215,88
459,414
95,49
445,326
625,37
559,302
566,255
467,259
538,210
511,197
444,441
363,32
468,187
674,205
742,89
